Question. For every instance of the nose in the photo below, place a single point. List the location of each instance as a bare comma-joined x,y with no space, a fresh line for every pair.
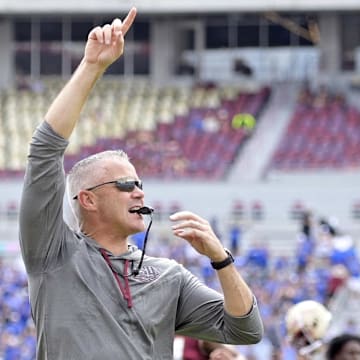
137,192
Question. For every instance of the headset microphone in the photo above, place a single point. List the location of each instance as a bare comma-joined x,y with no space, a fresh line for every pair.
145,210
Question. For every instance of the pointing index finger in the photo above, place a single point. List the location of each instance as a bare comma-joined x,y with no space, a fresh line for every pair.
128,21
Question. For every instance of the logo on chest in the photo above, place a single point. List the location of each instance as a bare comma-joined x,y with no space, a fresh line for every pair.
147,274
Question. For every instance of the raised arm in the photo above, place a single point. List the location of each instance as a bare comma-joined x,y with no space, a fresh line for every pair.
42,230
104,46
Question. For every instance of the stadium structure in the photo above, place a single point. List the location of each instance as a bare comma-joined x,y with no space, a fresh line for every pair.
247,113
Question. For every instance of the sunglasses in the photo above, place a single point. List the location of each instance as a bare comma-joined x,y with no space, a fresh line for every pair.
124,185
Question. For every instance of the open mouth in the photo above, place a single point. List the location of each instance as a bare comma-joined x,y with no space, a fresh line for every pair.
134,209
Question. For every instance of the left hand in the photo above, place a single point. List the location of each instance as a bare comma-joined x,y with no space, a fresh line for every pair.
198,232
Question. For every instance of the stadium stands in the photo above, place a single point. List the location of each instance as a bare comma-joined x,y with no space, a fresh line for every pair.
324,133
169,131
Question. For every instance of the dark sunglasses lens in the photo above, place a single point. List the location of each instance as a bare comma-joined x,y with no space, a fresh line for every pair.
129,185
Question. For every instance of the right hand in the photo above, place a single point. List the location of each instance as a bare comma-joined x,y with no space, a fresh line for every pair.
106,44
199,234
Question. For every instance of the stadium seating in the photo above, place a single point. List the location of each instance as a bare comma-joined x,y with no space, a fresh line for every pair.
175,131
324,133
169,132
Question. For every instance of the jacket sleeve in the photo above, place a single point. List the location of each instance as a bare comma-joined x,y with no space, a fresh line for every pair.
41,227
201,315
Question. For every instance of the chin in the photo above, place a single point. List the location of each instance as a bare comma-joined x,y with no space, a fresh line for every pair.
138,229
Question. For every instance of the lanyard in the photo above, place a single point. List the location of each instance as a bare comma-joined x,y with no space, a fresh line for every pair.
124,290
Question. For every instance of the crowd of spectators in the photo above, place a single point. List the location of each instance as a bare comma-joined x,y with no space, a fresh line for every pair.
325,259
17,332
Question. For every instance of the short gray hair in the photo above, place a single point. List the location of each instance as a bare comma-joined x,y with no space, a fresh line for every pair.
81,176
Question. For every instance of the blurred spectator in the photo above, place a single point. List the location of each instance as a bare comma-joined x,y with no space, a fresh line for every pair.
338,277
186,348
258,256
344,347
235,238
17,340
307,224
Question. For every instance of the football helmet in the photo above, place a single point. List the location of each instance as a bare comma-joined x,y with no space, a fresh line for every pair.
307,323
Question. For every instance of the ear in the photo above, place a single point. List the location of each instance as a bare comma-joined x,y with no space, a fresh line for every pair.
87,200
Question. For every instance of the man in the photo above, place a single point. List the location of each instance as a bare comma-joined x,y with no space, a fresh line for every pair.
87,300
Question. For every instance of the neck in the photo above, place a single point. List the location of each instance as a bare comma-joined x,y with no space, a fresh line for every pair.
115,243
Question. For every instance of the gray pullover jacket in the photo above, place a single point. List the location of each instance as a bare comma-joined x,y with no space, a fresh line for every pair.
79,309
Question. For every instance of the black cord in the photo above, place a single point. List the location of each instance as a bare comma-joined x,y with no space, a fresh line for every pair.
136,271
